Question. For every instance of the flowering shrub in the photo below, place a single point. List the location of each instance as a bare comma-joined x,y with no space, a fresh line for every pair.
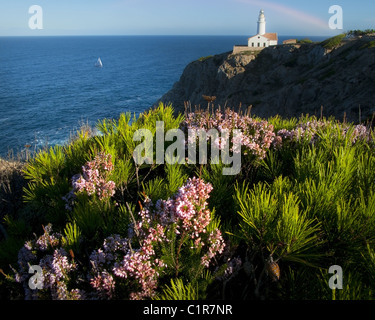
256,136
117,261
359,133
56,264
309,131
93,180
307,206
130,266
176,220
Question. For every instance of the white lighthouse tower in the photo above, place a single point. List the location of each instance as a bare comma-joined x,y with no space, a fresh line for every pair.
261,23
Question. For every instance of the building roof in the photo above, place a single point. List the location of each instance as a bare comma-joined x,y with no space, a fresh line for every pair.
269,36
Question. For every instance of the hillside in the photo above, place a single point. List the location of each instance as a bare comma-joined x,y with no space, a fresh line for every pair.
287,80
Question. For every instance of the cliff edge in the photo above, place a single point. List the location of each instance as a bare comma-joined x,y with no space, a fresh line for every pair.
287,80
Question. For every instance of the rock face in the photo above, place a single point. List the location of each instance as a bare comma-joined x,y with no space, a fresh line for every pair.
287,80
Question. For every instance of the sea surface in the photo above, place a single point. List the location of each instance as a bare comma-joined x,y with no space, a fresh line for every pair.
49,86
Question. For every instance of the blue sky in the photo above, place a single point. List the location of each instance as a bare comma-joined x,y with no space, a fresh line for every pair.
182,17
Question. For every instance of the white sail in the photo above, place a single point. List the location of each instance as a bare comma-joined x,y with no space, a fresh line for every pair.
99,63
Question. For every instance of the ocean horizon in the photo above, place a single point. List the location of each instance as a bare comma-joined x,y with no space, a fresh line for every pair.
49,85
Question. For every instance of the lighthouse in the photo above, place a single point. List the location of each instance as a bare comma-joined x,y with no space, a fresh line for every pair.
261,23
261,40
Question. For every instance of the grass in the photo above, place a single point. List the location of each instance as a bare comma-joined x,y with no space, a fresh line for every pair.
304,41
201,59
11,185
333,42
250,53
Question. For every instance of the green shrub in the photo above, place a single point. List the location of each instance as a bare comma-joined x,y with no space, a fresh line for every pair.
303,201
304,41
360,32
201,59
333,42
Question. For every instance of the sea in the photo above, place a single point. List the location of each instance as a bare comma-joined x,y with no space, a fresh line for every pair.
50,87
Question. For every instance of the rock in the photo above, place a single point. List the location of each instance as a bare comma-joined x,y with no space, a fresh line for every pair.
287,80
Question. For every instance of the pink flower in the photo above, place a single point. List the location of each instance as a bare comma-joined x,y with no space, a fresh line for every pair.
185,210
93,180
256,136
104,283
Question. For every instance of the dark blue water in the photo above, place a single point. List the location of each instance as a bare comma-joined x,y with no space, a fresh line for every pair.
49,86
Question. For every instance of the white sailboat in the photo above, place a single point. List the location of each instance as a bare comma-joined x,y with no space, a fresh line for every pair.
99,63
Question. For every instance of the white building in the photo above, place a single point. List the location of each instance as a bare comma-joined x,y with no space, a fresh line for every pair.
262,39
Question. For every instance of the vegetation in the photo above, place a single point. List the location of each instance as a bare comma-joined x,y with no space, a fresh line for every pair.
333,42
201,59
304,41
103,227
251,53
357,33
368,45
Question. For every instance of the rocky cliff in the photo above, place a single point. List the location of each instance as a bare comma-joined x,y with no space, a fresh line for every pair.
287,80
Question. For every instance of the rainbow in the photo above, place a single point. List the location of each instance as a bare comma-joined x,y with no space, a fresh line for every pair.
297,14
